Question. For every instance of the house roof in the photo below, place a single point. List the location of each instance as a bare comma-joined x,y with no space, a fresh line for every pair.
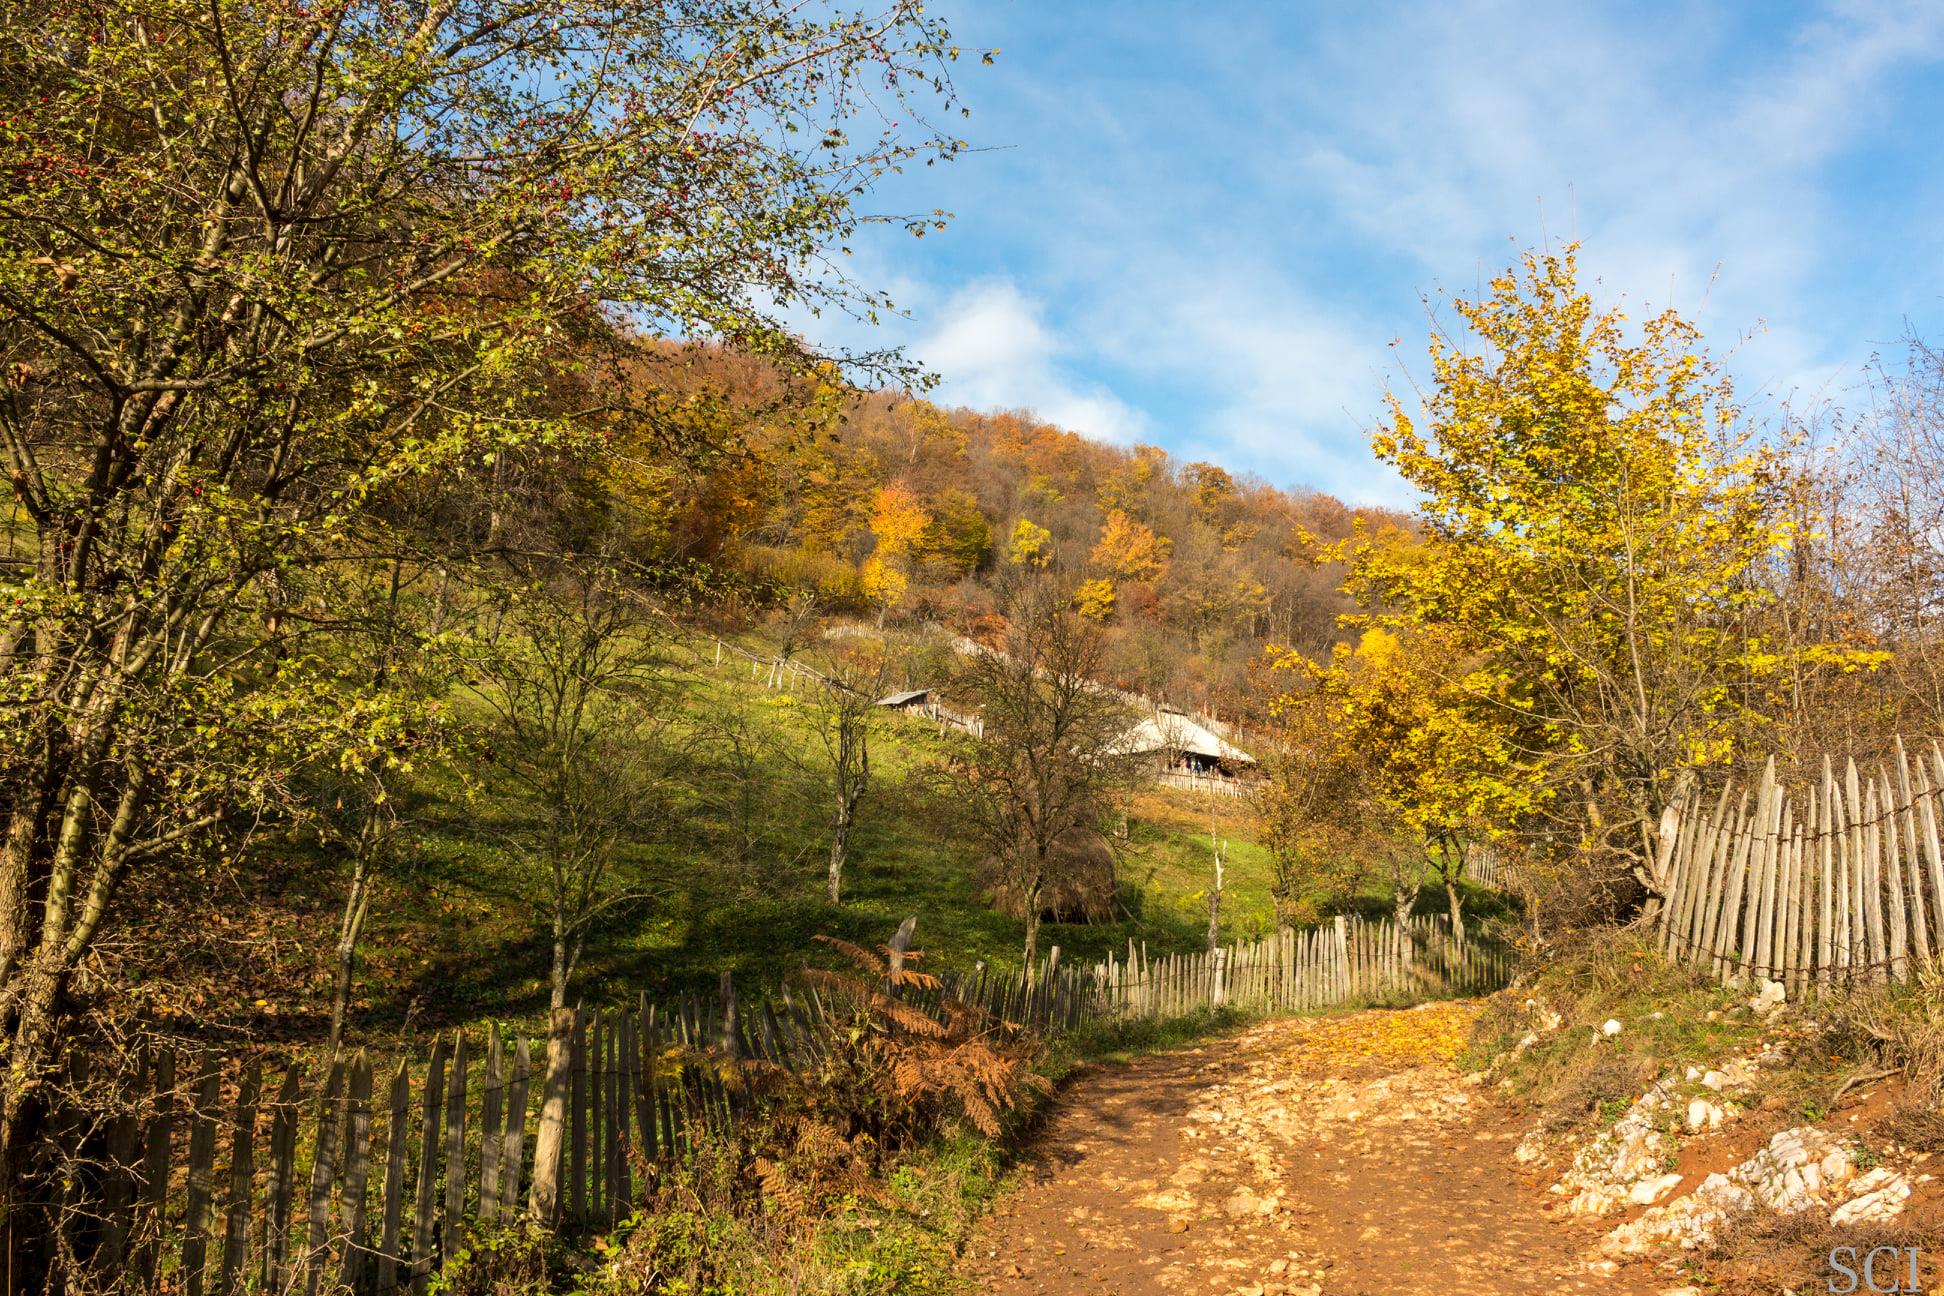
1171,731
905,699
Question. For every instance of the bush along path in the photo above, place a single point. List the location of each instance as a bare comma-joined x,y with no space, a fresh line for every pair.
1302,1157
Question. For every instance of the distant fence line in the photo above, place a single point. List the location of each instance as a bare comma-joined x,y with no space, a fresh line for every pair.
1219,785
1841,883
1349,960
359,1177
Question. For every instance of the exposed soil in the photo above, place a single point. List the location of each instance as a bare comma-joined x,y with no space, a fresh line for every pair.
1314,1156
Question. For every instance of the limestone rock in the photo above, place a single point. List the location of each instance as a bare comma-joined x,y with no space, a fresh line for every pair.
1879,1195
1686,1222
1649,1191
1798,1169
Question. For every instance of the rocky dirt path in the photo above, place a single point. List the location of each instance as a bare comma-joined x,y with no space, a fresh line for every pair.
1311,1157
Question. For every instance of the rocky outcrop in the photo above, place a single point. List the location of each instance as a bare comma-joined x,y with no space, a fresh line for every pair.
1800,1169
1629,1163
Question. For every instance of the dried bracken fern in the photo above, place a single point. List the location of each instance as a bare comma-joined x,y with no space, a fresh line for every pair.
896,1061
906,1059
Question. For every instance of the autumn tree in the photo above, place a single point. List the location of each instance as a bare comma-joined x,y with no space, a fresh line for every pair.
1129,550
264,263
394,664
1595,512
1030,545
899,521
1405,748
1052,752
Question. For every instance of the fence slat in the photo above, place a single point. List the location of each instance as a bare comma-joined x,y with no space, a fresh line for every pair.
122,1179
455,1145
1933,850
357,1174
513,1139
155,1169
489,1111
242,1169
596,1118
577,1123
397,1136
1907,821
323,1171
426,1200
283,1179
202,1169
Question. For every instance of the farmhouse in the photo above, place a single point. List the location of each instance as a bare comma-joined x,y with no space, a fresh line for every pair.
1179,744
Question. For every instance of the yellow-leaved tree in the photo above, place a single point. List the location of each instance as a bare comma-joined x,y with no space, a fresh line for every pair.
1596,516
899,521
1031,545
1396,758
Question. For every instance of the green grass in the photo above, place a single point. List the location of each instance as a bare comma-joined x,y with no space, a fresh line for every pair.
452,942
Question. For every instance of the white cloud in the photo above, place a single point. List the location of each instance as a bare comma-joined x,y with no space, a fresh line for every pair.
992,348
1224,272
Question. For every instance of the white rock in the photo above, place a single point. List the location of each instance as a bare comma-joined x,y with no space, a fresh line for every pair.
1703,1115
1686,1222
1649,1191
1610,1027
1770,998
1798,1169
1881,1194
1715,1080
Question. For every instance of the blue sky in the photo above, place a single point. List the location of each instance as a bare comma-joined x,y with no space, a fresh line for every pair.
1203,225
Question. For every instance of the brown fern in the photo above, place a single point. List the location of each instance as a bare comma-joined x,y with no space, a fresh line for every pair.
904,1059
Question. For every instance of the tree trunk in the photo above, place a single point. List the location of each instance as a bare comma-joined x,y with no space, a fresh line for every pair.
357,906
1402,902
1215,909
840,830
1032,928
26,1066
1457,905
543,1202
559,971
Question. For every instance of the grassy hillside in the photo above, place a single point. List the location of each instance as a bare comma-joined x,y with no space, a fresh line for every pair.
732,879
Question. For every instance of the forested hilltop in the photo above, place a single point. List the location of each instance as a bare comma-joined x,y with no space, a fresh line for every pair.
887,507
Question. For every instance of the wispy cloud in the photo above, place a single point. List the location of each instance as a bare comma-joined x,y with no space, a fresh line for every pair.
1206,229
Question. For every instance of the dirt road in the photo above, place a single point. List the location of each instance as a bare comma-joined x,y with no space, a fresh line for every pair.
1331,1156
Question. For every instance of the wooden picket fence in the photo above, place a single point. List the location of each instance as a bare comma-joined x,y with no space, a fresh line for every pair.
359,1176
1213,784
1351,960
1837,883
